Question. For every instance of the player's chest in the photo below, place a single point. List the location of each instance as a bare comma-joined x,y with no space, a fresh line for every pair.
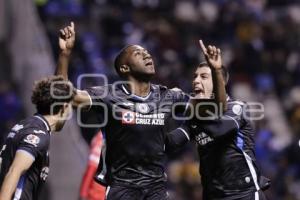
146,114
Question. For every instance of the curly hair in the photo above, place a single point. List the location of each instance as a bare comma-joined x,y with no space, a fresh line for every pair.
51,91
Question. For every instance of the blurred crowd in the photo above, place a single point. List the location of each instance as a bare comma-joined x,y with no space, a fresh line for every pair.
260,43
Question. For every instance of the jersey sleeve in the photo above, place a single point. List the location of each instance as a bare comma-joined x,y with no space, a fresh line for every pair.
177,138
236,112
34,143
229,123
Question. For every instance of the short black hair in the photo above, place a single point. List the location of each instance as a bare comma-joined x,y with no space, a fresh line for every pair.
225,72
49,91
119,60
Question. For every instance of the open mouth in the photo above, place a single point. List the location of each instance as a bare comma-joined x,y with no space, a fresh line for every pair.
149,63
198,90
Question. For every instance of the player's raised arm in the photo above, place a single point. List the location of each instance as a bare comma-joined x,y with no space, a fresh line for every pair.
20,165
213,58
66,42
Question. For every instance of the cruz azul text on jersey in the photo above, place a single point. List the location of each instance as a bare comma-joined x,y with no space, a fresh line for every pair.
129,117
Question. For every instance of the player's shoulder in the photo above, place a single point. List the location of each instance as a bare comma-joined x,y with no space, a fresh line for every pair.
235,102
159,90
162,91
31,131
101,87
235,105
157,87
32,124
99,91
165,89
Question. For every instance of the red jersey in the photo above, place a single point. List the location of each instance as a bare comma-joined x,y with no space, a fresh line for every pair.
91,190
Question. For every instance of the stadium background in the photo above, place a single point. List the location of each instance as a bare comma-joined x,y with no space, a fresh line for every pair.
260,42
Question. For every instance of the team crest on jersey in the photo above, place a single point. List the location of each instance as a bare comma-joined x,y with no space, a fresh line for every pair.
44,173
128,117
32,139
142,107
237,109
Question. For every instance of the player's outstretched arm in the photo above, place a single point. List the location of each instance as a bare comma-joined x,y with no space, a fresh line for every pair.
220,127
20,165
66,42
213,58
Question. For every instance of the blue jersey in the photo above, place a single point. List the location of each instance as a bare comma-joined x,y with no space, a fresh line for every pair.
135,133
226,151
31,136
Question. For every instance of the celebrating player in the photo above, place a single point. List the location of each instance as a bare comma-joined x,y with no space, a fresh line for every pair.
132,162
24,158
225,145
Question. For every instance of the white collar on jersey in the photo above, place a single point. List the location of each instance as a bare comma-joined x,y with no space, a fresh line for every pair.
136,96
44,121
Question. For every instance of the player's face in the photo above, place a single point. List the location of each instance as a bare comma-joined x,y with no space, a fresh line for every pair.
203,83
140,61
63,116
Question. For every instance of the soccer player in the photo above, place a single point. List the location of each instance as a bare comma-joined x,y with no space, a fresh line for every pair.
24,158
133,156
90,189
225,146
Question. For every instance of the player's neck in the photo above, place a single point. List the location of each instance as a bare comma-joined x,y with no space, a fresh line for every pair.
51,120
139,88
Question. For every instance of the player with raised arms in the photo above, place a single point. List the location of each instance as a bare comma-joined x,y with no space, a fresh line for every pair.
133,158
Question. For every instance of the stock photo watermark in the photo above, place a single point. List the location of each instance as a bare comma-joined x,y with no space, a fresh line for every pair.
123,109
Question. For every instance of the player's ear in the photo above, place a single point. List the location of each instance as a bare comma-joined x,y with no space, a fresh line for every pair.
124,69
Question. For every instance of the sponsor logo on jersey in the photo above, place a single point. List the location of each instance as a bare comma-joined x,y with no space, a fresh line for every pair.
32,139
44,173
11,135
3,149
17,127
202,139
194,126
130,117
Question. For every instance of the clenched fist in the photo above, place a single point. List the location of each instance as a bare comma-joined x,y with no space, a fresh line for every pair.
67,39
